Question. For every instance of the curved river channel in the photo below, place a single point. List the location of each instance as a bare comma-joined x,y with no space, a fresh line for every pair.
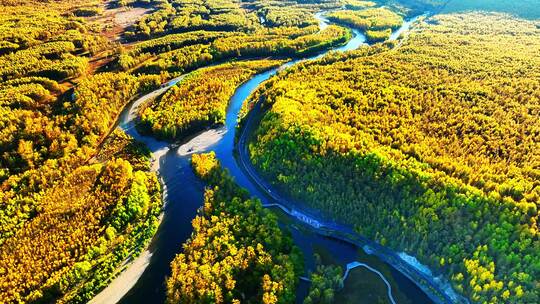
183,195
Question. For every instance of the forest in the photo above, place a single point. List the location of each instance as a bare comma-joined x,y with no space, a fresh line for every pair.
200,100
60,164
64,80
376,23
54,260
326,280
180,36
237,253
430,148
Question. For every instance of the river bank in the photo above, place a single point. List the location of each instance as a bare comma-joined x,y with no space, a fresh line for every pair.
184,196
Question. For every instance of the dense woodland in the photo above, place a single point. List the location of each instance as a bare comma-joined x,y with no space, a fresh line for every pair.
326,280
376,23
55,257
431,148
183,35
237,253
60,164
200,100
455,185
53,174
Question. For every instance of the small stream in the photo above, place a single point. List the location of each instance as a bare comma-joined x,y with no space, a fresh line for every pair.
183,193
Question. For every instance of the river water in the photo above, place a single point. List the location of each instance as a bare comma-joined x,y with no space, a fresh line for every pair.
183,193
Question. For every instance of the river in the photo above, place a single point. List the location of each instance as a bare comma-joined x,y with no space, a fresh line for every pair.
183,194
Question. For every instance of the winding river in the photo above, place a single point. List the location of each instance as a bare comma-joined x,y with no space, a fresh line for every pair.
143,281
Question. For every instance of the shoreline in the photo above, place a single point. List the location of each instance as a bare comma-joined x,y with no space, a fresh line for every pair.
131,270
200,142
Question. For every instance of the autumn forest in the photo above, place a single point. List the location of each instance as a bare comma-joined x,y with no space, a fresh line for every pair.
332,151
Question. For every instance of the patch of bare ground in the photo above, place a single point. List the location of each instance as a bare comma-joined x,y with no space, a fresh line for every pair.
114,22
117,19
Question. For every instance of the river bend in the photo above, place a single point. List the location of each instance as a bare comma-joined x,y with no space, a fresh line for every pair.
143,281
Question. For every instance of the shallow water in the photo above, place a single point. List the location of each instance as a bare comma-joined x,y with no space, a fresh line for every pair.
184,195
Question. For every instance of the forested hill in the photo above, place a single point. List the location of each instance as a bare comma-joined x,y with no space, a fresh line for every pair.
431,148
